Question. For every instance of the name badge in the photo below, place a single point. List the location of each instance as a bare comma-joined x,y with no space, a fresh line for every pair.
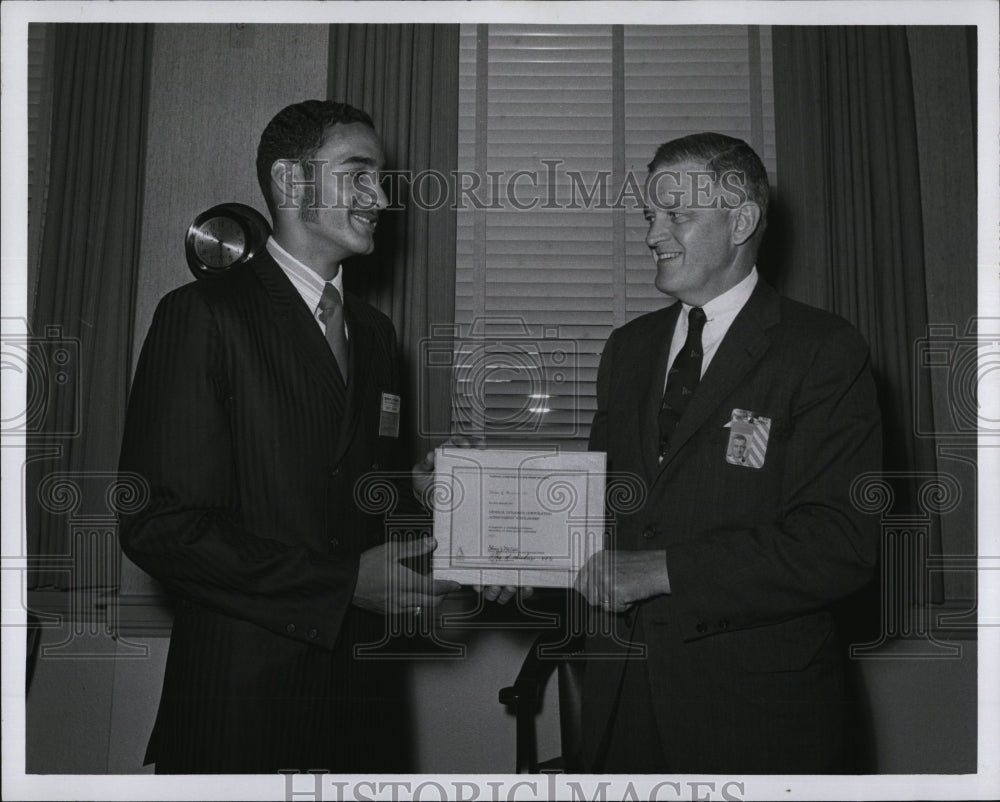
748,435
388,422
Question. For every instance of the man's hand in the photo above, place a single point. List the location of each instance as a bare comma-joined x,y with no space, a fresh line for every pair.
503,593
423,472
422,475
615,580
386,586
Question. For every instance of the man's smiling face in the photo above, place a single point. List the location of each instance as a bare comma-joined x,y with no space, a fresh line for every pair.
690,233
339,217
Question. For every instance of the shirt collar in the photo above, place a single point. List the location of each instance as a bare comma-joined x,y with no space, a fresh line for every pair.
731,301
303,276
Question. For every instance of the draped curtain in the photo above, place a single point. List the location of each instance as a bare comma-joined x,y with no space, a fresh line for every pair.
82,311
406,77
848,218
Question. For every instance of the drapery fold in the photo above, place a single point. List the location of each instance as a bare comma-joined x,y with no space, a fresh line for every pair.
406,77
85,295
852,241
847,150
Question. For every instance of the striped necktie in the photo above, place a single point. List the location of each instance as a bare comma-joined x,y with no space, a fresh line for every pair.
682,379
331,313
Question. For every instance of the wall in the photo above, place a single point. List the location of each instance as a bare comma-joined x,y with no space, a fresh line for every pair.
214,88
924,710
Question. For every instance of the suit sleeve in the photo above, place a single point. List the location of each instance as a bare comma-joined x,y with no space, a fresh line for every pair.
599,426
819,547
189,536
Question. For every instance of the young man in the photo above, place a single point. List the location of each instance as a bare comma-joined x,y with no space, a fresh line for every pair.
255,410
727,573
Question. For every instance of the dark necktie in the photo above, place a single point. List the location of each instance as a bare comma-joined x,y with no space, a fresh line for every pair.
331,313
682,379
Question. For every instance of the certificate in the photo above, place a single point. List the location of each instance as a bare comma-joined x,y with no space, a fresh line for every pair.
507,517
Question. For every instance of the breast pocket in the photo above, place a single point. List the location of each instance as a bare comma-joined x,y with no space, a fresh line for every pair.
752,443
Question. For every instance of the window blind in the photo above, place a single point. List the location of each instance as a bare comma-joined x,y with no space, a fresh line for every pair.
546,266
681,80
534,274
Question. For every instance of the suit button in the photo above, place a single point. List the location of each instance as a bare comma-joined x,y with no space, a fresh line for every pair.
723,624
650,532
313,633
702,627
290,629
335,471
374,466
334,543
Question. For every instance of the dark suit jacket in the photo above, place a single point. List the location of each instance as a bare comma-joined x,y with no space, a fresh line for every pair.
241,424
744,669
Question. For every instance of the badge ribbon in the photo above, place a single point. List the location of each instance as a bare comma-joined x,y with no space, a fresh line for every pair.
747,446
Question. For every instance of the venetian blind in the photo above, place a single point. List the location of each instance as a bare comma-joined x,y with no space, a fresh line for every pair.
550,257
681,80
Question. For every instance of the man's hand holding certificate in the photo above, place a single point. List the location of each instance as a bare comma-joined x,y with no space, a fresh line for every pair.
516,518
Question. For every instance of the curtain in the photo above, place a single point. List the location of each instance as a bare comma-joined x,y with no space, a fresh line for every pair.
82,311
847,150
406,77
848,237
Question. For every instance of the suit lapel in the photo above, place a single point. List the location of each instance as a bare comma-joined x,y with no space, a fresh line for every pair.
742,347
651,395
294,319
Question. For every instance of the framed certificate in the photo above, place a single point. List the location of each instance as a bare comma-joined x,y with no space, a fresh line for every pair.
508,517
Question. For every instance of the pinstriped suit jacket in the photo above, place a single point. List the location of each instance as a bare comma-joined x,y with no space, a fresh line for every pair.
744,670
252,446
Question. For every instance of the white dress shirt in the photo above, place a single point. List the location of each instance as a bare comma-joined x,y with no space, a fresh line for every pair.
306,280
720,313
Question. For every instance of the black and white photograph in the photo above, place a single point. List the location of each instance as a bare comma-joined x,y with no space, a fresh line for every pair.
500,401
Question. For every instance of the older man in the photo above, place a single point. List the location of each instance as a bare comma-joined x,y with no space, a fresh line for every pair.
726,575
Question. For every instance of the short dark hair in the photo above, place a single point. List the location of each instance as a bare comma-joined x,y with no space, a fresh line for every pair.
720,154
297,132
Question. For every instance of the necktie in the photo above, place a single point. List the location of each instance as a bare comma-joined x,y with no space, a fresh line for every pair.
331,312
682,379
